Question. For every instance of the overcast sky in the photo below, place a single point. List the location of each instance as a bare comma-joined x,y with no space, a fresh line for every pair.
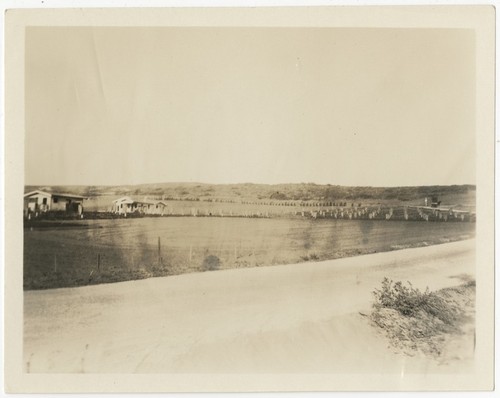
380,107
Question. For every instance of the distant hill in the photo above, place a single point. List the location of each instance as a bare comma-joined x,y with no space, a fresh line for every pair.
458,194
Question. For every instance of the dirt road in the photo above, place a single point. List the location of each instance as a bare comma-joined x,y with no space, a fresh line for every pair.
283,319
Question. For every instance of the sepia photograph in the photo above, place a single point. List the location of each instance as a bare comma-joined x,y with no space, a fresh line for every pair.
224,199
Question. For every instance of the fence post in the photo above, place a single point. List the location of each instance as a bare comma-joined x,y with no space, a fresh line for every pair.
159,251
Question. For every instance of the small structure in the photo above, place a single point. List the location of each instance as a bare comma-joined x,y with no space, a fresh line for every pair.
124,205
152,207
435,202
127,205
38,202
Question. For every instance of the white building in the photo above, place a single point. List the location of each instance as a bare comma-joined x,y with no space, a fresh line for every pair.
127,205
37,202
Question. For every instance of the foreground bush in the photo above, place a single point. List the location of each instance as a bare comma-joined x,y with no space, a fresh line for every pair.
419,321
409,301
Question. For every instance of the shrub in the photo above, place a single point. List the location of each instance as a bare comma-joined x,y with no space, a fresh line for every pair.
211,263
310,257
410,301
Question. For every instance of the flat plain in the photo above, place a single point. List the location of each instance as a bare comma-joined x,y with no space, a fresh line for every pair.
100,251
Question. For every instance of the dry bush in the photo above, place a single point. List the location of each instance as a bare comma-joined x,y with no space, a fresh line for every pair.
409,301
419,321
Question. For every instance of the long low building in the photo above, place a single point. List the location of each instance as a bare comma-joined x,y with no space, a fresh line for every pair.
39,202
127,205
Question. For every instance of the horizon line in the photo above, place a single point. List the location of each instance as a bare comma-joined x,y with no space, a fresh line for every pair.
250,183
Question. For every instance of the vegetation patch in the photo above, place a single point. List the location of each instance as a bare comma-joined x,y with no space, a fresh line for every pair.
211,263
310,257
421,322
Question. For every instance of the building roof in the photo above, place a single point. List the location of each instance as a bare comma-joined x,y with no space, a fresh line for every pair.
37,193
151,202
129,200
145,202
54,194
125,199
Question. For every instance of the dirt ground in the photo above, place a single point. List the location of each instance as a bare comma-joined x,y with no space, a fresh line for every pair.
302,318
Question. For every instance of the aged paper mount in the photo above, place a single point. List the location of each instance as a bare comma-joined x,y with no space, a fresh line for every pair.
480,19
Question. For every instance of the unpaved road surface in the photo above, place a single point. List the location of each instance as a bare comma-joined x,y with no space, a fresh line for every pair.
302,318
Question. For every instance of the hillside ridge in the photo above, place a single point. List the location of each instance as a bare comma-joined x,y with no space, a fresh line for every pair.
292,191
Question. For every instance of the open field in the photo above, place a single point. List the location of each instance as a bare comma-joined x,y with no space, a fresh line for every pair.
125,249
303,318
